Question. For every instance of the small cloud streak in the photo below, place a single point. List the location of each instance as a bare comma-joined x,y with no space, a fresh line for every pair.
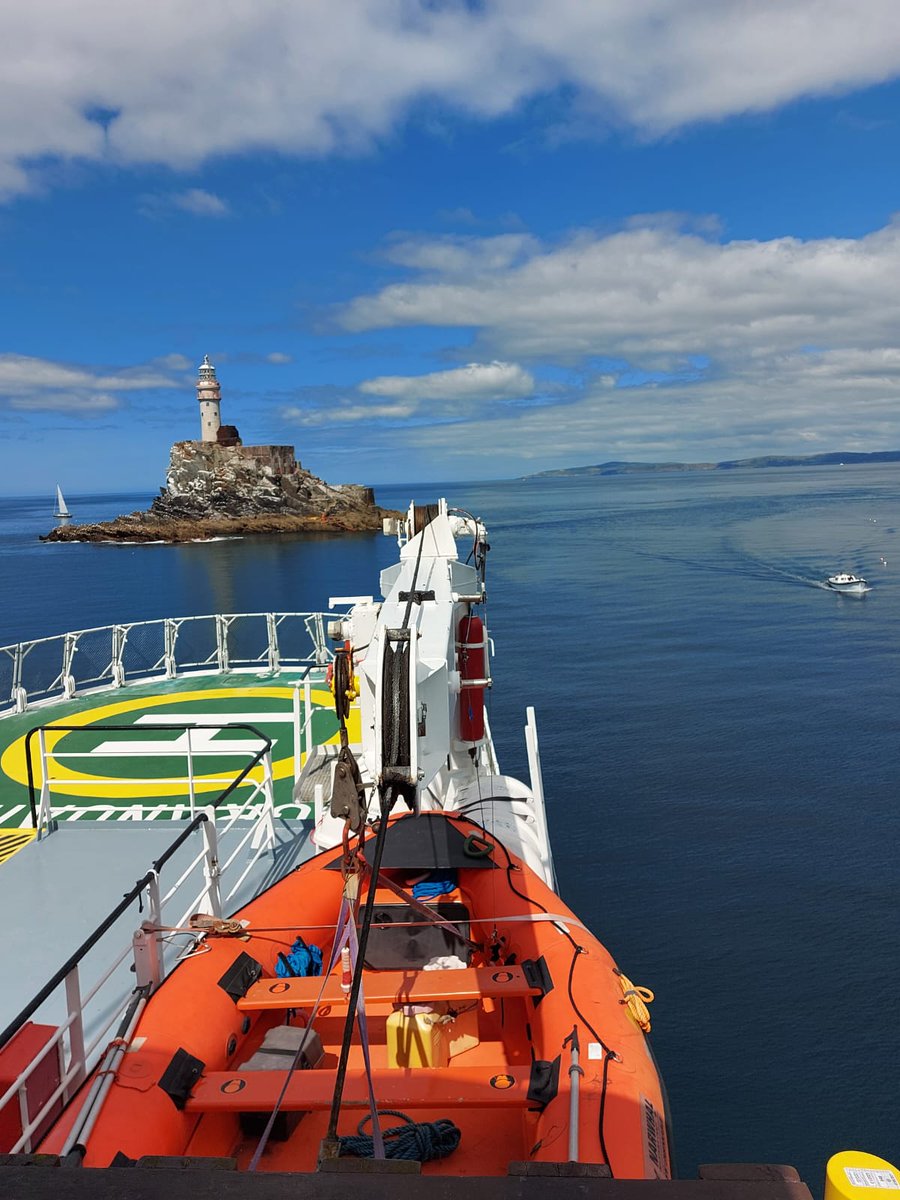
60,402
278,359
173,362
346,413
29,384
196,201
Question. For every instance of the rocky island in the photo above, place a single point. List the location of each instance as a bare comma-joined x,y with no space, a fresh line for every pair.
218,487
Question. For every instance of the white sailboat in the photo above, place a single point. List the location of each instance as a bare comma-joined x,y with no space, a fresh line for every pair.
61,509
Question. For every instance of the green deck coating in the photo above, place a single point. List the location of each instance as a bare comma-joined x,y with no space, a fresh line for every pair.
110,787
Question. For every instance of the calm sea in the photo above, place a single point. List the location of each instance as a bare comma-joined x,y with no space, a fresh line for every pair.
720,742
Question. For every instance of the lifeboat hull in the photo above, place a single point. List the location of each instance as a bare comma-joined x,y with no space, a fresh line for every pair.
496,1059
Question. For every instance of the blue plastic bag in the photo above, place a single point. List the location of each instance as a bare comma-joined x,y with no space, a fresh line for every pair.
303,959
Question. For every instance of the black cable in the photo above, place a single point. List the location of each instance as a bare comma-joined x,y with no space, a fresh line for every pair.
609,1053
509,869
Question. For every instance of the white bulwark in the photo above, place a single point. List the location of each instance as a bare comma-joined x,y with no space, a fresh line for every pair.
209,395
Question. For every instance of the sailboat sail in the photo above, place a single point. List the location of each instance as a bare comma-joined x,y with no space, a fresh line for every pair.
61,510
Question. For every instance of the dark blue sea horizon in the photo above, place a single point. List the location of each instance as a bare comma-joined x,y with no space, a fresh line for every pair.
719,739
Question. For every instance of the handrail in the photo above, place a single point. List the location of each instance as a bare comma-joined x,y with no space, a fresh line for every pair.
116,653
171,728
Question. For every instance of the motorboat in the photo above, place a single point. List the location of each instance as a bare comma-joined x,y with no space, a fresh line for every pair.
413,989
845,582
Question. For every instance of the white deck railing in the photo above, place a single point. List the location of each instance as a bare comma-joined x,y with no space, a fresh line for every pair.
56,668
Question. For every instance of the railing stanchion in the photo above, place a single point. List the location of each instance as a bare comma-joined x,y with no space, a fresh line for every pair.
298,744
76,1029
170,636
307,716
211,871
222,643
190,770
24,1117
265,830
273,651
154,910
44,811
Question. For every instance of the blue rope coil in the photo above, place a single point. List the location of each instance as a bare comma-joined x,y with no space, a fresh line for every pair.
418,1141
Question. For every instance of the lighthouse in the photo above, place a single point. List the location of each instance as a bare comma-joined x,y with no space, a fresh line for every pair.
209,394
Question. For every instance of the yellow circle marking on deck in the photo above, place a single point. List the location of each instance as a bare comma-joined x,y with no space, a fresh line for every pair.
13,764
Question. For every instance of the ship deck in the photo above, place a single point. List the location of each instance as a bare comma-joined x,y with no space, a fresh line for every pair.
100,778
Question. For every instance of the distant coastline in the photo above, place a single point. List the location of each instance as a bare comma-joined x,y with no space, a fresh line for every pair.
837,459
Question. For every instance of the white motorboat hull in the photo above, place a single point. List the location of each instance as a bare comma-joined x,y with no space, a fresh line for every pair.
849,589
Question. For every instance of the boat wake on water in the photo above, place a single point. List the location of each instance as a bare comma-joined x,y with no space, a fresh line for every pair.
749,567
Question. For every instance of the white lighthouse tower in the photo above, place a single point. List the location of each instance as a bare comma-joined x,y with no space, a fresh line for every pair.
209,395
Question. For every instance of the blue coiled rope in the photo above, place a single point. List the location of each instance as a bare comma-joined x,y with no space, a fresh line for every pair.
418,1141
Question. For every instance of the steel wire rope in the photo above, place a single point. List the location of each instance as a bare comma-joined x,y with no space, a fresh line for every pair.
388,796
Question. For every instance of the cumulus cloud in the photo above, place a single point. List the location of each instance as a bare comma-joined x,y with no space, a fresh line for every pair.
134,83
32,384
655,296
666,343
477,381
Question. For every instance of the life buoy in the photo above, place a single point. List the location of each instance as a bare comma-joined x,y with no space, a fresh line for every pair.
470,661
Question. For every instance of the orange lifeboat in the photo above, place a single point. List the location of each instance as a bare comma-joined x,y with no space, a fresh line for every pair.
481,1038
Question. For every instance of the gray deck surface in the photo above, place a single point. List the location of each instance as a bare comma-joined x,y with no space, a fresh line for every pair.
54,893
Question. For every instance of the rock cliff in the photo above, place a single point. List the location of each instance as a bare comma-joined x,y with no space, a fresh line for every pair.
225,489
206,479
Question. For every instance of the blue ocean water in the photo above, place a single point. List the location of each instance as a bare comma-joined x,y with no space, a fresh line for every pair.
720,745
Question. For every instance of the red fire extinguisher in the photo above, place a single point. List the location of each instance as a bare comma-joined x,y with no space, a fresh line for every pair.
470,659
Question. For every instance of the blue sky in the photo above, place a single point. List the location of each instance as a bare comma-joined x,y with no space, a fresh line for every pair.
428,240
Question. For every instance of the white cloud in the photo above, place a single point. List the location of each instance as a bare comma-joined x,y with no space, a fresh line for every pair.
278,359
346,413
200,203
195,201
655,296
477,381
675,346
134,83
32,384
174,362
18,371
61,402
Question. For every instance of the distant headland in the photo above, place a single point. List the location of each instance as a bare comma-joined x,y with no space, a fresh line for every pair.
837,459
218,487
